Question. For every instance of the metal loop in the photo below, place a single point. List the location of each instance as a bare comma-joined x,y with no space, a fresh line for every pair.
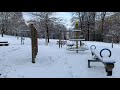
92,46
107,50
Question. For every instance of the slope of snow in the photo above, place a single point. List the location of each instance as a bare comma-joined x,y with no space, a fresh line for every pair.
52,61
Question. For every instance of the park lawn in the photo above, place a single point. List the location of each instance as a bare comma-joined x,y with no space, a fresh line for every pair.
52,61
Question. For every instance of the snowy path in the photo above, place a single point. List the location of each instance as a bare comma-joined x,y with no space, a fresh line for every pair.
52,61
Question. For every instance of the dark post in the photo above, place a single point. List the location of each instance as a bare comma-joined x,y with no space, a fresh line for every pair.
36,41
60,38
88,31
112,40
33,42
2,31
76,26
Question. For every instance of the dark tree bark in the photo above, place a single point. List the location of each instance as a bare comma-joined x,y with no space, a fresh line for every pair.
88,31
2,31
102,23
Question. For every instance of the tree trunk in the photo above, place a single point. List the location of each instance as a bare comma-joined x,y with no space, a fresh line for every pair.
2,31
48,35
102,23
94,15
102,28
88,31
60,44
112,41
46,42
94,38
47,32
2,34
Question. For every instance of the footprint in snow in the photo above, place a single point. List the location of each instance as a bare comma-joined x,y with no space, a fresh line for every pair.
70,67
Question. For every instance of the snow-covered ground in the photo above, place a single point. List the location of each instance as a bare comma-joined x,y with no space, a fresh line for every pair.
52,61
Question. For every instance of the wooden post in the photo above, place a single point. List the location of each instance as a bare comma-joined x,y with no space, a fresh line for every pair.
37,40
77,41
61,38
76,26
33,42
60,44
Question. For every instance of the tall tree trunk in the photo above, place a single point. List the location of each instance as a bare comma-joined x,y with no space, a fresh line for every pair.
102,28
60,39
102,23
47,31
2,31
88,31
48,35
46,42
94,15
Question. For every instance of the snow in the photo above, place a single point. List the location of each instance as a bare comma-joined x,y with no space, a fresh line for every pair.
52,61
105,57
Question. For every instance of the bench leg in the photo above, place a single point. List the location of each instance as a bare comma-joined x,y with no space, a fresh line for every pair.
108,68
77,51
92,61
89,64
109,73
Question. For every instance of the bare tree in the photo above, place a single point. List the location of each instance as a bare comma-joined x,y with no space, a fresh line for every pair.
4,21
46,17
47,22
86,22
102,22
11,22
78,16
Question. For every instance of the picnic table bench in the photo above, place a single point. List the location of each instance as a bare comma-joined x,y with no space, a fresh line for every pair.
70,45
4,43
107,61
62,42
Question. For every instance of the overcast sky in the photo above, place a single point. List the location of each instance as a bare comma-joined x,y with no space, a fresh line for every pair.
65,15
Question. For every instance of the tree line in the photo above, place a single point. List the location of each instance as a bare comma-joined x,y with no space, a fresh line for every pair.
96,26
47,25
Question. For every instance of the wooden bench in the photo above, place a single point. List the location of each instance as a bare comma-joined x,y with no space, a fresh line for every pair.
74,49
70,45
62,42
107,61
4,43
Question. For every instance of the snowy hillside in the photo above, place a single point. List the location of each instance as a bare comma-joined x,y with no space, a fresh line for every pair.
52,61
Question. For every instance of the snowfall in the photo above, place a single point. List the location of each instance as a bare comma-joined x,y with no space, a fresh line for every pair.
52,61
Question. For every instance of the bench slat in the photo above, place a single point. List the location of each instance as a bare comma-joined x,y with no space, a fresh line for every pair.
3,42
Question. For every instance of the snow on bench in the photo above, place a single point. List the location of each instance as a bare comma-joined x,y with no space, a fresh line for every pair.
74,49
70,44
62,42
106,60
4,43
103,59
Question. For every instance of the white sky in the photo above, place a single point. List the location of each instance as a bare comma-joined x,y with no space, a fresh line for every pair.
66,16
